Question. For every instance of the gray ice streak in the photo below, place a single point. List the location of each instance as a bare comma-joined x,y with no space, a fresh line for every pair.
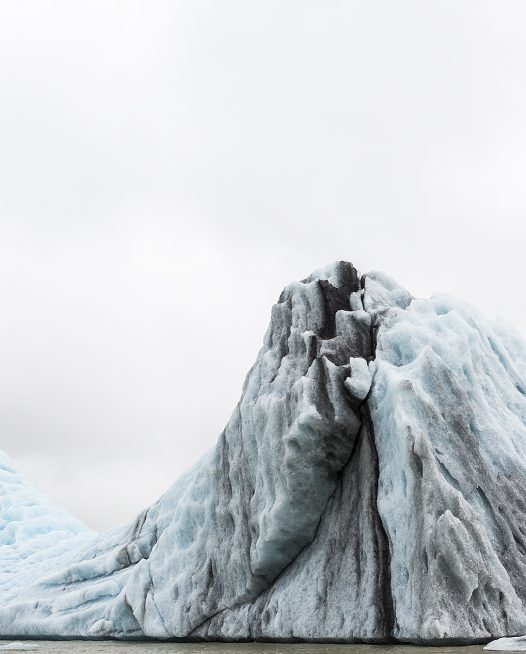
369,486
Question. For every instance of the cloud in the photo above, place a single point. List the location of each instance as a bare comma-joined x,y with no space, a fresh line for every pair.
166,167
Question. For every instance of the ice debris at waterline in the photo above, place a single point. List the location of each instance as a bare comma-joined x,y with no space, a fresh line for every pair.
18,646
517,644
369,486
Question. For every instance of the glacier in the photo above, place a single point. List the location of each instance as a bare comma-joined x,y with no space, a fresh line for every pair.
370,486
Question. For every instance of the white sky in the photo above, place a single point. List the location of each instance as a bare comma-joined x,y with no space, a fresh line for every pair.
167,167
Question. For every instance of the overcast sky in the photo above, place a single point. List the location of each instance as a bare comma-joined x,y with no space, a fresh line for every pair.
167,167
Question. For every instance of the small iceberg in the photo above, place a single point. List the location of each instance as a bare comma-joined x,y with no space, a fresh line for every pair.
516,644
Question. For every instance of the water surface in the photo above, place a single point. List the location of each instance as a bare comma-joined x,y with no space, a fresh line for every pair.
116,647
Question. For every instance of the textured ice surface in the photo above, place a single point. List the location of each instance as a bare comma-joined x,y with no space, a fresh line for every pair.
370,485
449,415
35,534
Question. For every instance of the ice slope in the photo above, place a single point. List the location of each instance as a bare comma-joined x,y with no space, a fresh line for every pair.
35,534
368,486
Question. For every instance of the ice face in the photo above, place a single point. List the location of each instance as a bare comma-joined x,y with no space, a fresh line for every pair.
368,486
449,416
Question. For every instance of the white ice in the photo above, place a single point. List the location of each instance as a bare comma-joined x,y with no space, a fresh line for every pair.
18,646
514,644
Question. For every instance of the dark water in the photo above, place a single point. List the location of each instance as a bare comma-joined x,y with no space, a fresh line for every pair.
112,647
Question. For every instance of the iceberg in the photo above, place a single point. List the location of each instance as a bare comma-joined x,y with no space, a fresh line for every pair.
370,486
516,644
